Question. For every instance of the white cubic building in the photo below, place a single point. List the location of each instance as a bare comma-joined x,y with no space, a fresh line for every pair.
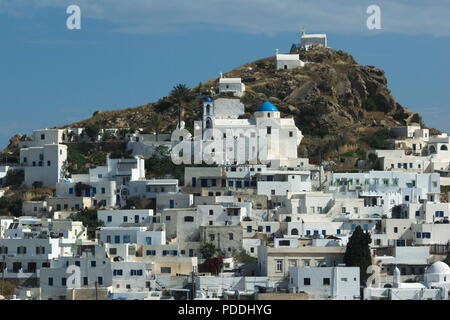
328,283
287,61
313,40
43,165
231,85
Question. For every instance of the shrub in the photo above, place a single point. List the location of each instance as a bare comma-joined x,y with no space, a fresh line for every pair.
378,139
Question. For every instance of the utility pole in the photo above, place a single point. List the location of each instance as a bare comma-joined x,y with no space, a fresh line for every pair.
3,274
218,240
320,169
192,285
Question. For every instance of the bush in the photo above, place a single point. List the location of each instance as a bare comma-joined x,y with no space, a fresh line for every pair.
242,256
378,139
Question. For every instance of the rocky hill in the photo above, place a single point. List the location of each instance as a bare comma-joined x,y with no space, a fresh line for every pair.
341,107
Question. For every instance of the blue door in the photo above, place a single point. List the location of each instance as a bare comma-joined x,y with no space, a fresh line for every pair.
172,204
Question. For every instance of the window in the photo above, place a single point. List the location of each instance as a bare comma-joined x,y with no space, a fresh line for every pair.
211,237
50,281
49,163
112,251
269,130
21,250
395,230
211,212
93,263
326,281
63,281
406,198
279,265
417,213
291,134
267,228
85,281
439,213
166,270
109,218
40,250
100,280
249,228
126,238
117,272
230,235
306,263
151,252
306,281
189,219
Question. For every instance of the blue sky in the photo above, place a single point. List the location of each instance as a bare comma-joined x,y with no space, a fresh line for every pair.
132,52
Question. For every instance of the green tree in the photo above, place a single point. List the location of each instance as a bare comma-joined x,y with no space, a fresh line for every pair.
90,221
358,253
11,206
208,250
14,178
92,131
180,93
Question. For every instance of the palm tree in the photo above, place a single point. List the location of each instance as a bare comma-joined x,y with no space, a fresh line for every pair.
156,122
180,93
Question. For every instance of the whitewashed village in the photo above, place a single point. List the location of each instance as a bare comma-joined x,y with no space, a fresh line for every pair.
278,227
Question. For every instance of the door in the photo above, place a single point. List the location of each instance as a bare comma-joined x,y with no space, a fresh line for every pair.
31,267
172,204
17,266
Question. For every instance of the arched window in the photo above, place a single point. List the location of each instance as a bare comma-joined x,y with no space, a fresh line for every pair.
432,149
294,232
208,123
208,109
444,148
